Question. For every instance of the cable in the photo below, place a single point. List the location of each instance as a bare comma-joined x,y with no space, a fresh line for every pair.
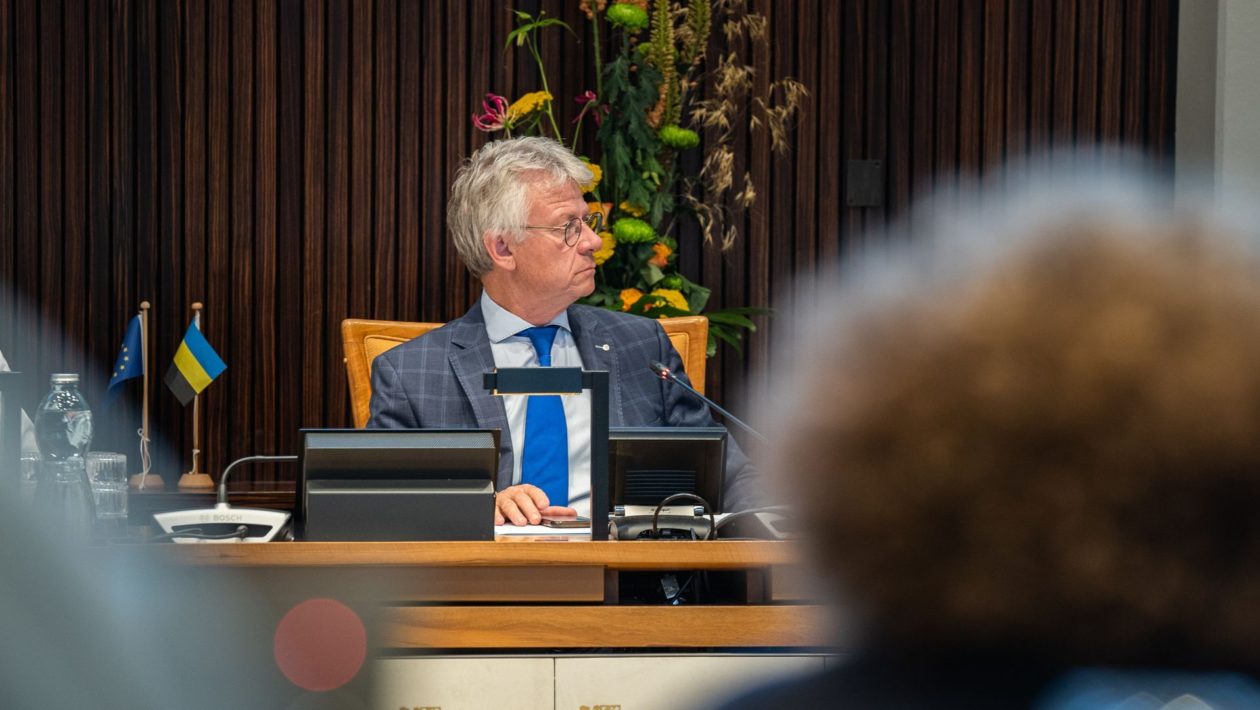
691,496
744,513
196,533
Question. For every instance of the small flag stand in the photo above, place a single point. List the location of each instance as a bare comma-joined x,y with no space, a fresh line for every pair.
195,478
146,479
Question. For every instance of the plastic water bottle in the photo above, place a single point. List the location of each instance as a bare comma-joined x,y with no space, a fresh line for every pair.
63,430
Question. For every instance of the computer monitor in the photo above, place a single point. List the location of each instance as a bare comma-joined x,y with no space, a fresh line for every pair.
649,464
397,484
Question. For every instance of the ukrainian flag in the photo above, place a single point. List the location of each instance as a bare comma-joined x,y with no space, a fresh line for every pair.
195,367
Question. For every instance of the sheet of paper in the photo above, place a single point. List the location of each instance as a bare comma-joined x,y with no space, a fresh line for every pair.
539,530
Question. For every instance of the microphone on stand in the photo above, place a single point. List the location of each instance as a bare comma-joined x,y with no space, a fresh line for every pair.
665,374
253,524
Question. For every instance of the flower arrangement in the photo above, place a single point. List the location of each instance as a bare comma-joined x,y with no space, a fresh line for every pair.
646,114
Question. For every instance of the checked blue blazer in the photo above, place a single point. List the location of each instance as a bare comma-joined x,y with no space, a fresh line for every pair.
435,382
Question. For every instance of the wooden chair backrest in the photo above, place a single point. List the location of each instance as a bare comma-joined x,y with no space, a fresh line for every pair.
362,340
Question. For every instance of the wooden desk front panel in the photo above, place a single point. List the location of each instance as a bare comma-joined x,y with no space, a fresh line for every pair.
516,595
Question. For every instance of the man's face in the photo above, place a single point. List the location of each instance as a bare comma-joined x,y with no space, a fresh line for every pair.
546,267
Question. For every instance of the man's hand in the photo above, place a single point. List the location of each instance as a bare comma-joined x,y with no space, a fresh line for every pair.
525,505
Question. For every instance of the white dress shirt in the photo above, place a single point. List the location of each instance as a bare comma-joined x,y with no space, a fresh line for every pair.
512,350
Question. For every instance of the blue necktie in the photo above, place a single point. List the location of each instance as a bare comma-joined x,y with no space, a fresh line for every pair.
545,461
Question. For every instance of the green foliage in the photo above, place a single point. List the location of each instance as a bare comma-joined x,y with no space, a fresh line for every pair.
645,115
632,173
729,324
532,24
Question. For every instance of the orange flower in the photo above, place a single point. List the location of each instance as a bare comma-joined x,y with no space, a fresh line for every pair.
629,297
661,258
604,208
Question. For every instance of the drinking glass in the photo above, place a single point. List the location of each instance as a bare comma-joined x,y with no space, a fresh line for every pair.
107,472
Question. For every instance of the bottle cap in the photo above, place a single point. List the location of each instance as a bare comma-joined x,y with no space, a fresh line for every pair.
64,378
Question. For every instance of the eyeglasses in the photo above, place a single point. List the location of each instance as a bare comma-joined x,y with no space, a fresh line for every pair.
573,228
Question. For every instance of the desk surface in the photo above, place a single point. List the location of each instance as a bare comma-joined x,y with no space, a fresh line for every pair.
551,551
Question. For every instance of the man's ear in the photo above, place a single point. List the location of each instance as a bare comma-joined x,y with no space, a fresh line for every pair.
501,247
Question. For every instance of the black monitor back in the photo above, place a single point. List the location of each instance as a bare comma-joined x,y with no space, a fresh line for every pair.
648,464
397,484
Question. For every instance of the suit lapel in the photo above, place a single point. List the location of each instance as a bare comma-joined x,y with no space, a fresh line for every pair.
471,358
598,353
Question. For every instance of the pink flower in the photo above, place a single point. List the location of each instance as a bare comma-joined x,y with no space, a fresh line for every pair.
590,104
493,116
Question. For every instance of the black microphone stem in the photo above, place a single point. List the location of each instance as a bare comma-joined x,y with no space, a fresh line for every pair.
665,374
223,496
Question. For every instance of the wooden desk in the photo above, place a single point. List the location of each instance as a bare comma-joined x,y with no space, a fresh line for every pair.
536,594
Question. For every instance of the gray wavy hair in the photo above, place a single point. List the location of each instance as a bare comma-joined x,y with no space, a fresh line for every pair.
490,192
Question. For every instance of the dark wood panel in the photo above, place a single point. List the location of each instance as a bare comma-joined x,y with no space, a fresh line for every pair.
170,314
266,323
1161,83
1041,84
338,235
287,385
433,178
1112,77
1135,68
1017,78
74,187
901,105
219,296
240,385
1087,66
117,203
314,132
921,163
970,85
385,249
993,132
287,162
946,115
757,234
411,118
8,246
1064,73
51,238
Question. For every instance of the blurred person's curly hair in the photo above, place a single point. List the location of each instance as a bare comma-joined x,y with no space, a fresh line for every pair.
1058,451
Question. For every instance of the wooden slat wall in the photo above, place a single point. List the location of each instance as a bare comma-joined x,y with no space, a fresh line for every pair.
286,162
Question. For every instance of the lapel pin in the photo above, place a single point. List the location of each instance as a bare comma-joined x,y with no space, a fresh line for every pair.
604,347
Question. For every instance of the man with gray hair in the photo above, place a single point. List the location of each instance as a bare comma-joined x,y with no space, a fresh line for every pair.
517,217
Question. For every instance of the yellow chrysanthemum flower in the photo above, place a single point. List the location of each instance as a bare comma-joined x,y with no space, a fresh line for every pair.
527,104
629,297
597,174
661,258
632,210
608,246
672,296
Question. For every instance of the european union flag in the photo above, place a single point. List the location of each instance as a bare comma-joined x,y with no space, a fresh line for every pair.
130,362
195,367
